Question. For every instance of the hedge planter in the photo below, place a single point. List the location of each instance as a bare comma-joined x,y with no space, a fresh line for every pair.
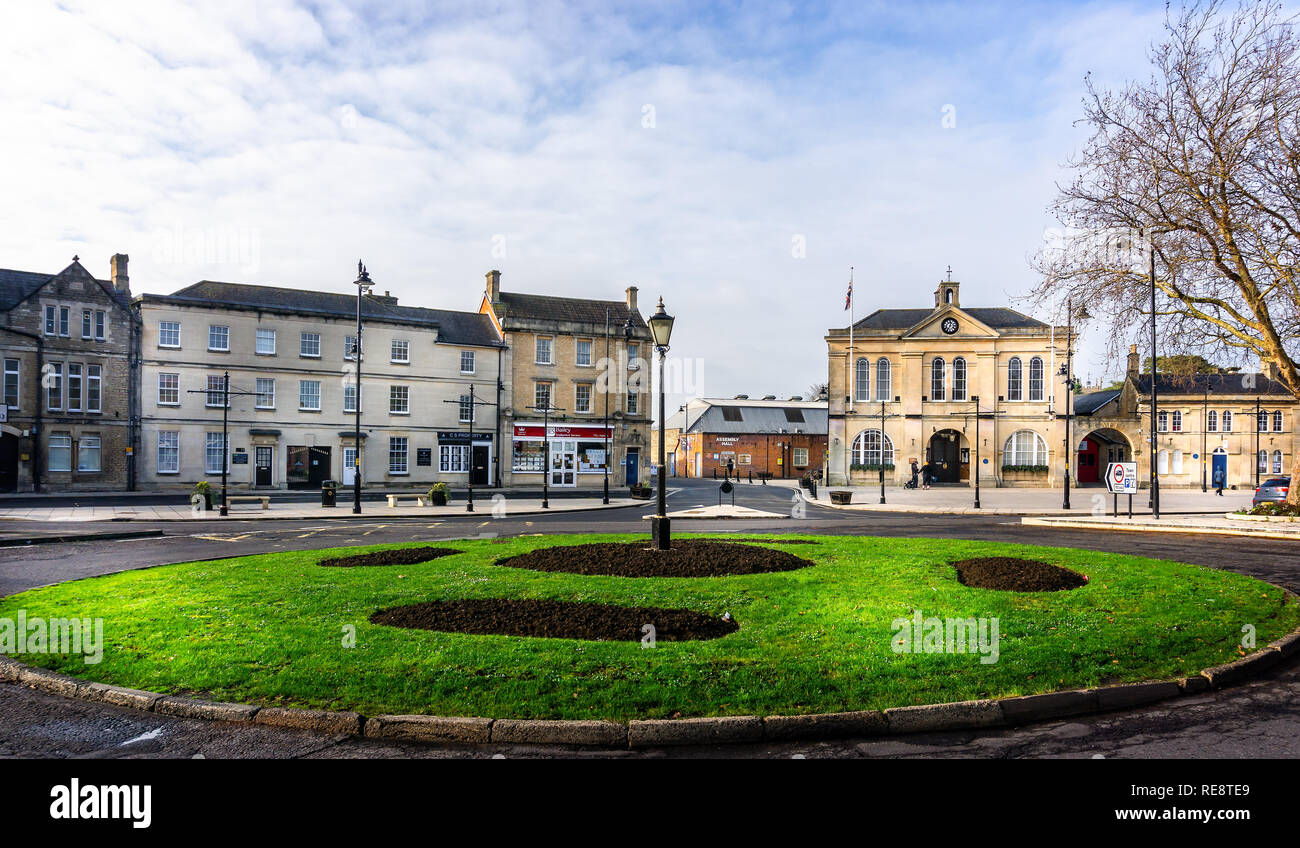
841,497
1024,477
640,493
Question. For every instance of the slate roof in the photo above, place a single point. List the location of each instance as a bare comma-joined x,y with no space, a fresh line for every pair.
17,286
706,416
1087,404
468,328
541,307
1219,384
998,318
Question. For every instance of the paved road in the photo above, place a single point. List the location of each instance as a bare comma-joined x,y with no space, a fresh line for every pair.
1259,720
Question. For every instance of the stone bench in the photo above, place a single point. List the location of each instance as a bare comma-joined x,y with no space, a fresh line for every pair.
265,499
393,500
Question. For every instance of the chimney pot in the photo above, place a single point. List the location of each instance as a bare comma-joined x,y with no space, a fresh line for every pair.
117,266
631,298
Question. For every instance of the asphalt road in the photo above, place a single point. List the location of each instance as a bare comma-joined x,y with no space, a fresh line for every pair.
1259,720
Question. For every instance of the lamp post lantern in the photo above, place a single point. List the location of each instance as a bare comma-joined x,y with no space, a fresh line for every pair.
661,330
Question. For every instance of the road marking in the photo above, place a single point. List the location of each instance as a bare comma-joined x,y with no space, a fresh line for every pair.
143,737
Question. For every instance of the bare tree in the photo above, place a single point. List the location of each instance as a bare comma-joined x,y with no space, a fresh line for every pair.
1200,163
817,391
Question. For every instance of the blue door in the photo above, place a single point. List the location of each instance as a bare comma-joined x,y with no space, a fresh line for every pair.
633,465
1219,466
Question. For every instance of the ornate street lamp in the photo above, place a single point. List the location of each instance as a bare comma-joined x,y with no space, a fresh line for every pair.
661,330
363,285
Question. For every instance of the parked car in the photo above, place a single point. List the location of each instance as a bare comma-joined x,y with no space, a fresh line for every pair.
1272,490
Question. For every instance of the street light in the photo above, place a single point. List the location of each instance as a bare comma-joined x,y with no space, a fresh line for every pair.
1259,413
661,329
363,285
1067,371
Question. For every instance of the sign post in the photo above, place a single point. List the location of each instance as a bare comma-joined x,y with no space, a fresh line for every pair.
1121,479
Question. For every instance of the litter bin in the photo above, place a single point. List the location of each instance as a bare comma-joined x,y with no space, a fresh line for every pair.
329,491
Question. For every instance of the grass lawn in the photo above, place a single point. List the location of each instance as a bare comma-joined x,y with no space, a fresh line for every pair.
270,629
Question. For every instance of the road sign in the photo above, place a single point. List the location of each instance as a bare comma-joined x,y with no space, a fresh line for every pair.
1121,478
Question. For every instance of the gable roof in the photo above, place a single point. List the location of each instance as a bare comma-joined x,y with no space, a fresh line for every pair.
1218,384
541,307
998,318
707,415
1090,402
468,328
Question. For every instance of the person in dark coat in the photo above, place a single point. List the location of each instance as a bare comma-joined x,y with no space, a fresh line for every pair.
927,472
1219,481
915,472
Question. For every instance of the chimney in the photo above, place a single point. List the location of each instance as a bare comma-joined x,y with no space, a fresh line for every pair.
121,282
493,289
631,298
1134,361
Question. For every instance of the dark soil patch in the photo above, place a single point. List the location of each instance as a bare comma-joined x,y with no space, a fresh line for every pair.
396,556
694,558
1016,575
555,620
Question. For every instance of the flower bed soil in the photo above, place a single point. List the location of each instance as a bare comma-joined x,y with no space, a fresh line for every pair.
396,556
691,558
1016,575
555,620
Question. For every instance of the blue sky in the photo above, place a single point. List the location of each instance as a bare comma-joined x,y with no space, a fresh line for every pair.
277,142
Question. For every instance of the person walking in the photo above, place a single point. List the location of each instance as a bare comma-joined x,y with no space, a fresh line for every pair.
916,470
926,472
1219,481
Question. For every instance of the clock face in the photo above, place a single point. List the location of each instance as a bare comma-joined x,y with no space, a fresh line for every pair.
949,325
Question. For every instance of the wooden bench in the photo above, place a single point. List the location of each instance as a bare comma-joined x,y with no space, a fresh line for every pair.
265,499
393,500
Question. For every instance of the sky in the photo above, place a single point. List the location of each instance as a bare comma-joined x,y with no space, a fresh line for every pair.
734,158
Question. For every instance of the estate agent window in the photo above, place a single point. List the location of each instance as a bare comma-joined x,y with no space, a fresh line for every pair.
453,458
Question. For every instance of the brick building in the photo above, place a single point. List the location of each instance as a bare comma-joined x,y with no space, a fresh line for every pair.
782,438
582,359
68,342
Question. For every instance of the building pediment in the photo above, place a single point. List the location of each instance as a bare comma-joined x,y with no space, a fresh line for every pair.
950,321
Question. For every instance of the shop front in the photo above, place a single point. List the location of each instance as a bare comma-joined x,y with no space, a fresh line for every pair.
571,455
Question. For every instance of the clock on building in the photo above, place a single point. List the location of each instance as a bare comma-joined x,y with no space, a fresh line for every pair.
949,325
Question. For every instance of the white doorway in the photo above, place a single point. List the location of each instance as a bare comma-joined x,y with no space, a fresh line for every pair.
349,466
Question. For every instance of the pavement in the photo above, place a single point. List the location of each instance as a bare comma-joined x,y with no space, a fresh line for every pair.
959,500
1220,525
180,510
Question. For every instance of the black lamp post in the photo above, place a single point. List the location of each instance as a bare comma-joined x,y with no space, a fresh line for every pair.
363,284
469,468
882,450
1259,413
609,372
1067,371
976,398
1155,478
661,330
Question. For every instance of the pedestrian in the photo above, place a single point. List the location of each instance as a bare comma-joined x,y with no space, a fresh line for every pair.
926,472
916,470
1219,481
731,468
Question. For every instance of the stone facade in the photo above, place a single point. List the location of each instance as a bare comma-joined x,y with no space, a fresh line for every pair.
67,341
290,355
936,361
558,348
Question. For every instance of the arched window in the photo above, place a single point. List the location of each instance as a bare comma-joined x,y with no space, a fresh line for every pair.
1162,465
1227,421
1178,421
1036,378
1277,421
1014,389
867,449
1162,421
1263,462
882,379
936,379
1261,422
862,381
959,379
1024,447
1212,422
1277,462
1178,462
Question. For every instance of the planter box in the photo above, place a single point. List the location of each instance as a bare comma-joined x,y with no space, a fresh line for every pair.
640,494
1024,478
841,497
